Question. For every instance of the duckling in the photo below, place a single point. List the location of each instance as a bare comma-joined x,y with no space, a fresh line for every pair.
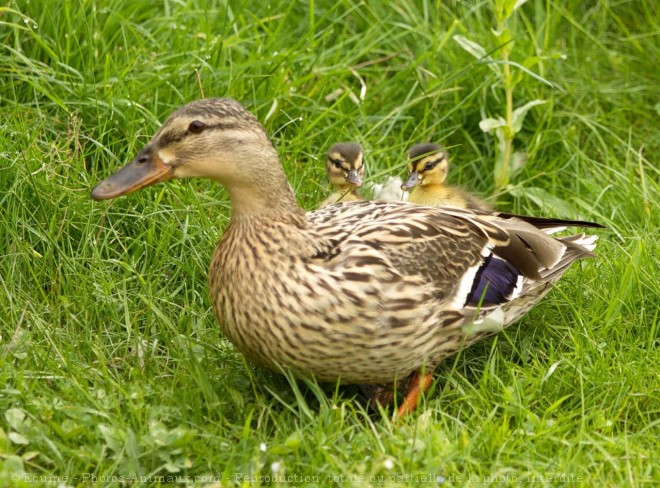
427,171
359,292
345,168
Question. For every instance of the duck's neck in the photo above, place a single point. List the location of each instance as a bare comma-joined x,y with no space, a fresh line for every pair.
269,196
264,201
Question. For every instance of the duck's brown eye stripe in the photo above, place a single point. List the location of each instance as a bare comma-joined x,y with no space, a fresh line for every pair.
172,137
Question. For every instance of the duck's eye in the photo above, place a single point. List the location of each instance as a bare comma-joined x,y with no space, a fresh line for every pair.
429,165
337,163
196,127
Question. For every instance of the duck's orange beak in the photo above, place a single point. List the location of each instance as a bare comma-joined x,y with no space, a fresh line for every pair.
145,170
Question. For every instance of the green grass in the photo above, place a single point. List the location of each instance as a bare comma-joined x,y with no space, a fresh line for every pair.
111,362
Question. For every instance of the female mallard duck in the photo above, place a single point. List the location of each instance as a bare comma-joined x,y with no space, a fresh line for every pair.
361,292
428,165
345,168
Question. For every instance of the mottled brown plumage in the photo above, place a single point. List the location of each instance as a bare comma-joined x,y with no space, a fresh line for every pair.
428,165
345,169
361,292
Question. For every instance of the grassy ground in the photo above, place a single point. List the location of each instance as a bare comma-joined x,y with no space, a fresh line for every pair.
110,359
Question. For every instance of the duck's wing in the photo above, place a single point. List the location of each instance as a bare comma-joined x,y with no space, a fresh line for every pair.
470,258
416,242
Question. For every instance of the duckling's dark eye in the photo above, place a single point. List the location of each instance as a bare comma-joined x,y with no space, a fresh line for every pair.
337,163
429,165
196,127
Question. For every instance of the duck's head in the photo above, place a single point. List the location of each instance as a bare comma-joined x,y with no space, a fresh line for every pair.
212,138
345,164
427,165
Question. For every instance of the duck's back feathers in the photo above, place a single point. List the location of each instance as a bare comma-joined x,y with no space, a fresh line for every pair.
416,242
469,257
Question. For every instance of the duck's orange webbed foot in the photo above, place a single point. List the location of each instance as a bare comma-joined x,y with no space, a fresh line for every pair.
419,383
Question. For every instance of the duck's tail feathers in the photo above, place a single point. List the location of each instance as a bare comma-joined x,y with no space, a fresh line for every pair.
551,225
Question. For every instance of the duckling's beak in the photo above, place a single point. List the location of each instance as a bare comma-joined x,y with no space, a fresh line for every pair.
412,181
146,169
354,178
